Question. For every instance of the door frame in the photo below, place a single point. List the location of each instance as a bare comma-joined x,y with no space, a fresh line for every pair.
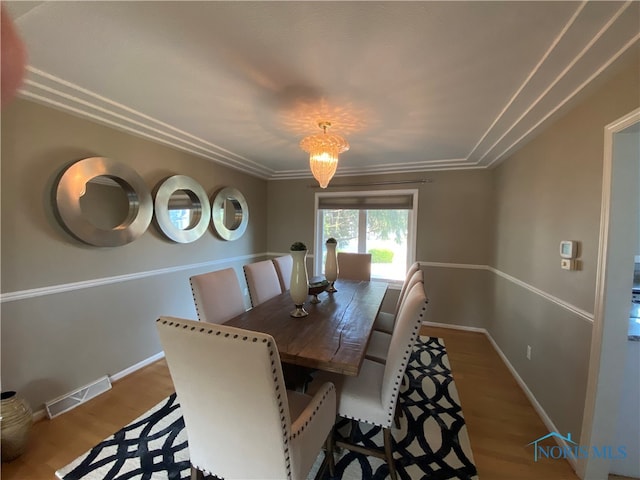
605,361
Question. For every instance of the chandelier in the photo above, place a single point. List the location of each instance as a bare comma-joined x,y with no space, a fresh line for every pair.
323,149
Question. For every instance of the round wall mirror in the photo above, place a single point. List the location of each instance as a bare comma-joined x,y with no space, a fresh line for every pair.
103,202
185,209
100,192
230,213
182,209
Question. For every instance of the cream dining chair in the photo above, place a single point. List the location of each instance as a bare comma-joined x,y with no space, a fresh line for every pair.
354,266
241,422
379,341
372,396
262,281
385,320
217,295
284,266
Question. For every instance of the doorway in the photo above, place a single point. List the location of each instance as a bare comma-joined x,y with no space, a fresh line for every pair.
619,216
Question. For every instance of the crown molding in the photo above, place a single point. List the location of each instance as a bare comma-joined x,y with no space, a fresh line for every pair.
542,93
532,106
48,89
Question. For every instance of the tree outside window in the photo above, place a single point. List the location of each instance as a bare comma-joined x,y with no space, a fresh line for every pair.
383,233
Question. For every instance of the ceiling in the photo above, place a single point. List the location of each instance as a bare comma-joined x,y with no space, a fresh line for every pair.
412,86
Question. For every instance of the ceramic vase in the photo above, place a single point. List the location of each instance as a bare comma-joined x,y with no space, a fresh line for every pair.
299,288
331,266
15,424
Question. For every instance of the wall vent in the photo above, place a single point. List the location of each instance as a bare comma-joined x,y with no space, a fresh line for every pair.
71,400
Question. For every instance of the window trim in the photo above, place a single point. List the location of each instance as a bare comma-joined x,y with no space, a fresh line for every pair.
412,227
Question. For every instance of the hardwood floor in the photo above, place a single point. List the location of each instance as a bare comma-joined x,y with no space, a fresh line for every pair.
500,420
56,442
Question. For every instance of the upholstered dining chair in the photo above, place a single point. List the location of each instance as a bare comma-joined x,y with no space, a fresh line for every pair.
372,396
379,341
284,265
217,295
241,422
385,320
262,280
354,266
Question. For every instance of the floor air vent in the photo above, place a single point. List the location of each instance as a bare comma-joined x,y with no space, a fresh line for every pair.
71,400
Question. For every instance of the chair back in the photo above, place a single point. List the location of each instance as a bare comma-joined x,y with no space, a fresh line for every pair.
403,338
412,269
217,295
262,280
284,266
416,276
232,396
354,266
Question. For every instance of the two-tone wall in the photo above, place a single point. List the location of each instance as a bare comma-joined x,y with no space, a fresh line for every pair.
454,236
488,240
548,191
71,312
489,244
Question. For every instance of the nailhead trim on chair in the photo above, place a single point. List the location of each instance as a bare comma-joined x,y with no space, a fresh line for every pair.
394,396
247,282
285,433
283,420
407,354
306,424
396,389
193,294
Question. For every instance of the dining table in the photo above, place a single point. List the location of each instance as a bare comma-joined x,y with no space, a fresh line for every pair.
335,334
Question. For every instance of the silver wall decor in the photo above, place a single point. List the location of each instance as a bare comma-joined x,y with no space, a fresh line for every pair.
182,209
230,213
103,202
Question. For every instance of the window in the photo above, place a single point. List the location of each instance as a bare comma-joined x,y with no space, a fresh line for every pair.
382,223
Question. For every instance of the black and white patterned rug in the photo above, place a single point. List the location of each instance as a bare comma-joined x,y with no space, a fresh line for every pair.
432,440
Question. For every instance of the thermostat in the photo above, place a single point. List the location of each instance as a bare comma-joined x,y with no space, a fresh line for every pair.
568,249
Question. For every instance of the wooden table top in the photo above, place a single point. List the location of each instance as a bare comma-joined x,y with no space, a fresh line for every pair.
335,334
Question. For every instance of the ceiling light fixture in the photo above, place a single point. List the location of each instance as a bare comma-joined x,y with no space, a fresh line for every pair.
323,149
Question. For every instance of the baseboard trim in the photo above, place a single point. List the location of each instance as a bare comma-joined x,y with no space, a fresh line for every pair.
39,415
455,327
128,371
521,383
42,413
534,401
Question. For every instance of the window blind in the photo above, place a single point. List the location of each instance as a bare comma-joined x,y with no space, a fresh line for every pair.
367,202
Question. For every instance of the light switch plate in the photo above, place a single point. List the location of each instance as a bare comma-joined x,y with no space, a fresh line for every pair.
567,264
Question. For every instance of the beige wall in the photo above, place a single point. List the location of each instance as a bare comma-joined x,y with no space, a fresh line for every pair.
453,208
56,342
550,190
455,226
510,218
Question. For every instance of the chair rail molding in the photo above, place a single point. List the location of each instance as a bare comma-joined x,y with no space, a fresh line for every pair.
98,282
558,301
